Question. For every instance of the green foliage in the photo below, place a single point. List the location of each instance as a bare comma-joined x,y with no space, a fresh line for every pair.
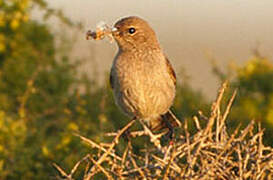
256,89
40,106
254,81
188,101
255,100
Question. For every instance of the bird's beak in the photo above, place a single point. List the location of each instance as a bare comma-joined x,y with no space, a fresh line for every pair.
115,31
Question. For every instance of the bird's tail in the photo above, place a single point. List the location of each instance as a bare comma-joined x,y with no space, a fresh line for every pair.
167,120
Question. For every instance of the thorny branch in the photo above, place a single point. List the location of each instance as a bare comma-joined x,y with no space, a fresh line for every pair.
210,153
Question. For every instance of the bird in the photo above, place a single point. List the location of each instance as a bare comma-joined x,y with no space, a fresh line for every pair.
141,77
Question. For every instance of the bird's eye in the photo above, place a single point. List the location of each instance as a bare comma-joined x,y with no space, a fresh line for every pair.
132,30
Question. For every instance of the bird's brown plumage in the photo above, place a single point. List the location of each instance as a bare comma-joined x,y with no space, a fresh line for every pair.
171,71
142,78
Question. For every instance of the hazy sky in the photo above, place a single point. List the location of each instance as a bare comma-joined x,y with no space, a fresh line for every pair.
187,30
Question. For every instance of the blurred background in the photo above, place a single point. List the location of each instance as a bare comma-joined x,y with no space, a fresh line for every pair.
54,83
190,32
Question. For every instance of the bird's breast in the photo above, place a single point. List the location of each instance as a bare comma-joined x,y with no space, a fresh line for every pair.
143,86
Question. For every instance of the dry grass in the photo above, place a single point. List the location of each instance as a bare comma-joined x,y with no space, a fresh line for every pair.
210,153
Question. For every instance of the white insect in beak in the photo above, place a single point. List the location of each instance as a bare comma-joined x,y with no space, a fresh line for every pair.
102,30
114,29
101,26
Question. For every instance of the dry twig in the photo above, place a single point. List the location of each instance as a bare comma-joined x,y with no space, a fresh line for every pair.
210,153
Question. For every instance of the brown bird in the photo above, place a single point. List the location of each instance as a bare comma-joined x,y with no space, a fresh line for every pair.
142,78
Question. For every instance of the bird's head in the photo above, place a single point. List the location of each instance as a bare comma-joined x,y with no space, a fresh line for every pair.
134,33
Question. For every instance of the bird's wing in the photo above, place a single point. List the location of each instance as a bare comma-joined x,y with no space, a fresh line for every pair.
171,71
111,79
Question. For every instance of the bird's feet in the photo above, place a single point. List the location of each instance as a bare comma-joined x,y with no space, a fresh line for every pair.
155,139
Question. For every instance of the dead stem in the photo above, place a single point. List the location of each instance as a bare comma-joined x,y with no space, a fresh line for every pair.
209,153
